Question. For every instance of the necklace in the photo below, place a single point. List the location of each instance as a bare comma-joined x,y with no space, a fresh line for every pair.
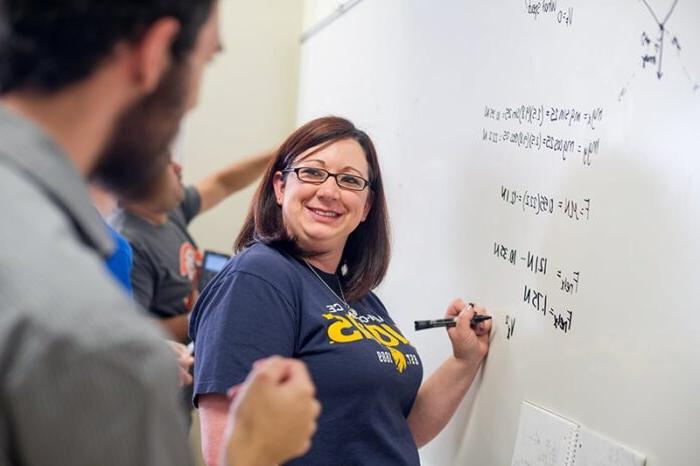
341,297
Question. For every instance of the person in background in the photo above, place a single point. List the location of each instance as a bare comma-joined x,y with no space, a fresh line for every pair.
166,260
119,264
314,245
97,90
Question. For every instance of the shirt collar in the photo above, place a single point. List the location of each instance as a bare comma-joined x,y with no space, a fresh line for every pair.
30,150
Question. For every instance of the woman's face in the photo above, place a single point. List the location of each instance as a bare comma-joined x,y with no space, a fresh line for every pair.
321,216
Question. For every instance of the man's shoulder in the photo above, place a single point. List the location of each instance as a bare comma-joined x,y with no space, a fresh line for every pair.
54,289
130,226
188,209
144,238
24,202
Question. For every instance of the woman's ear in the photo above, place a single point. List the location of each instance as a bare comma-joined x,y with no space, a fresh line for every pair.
278,184
368,206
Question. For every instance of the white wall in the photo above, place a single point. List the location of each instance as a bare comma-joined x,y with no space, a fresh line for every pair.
248,103
316,10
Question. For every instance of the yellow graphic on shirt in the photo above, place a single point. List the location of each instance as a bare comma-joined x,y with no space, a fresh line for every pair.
347,329
399,359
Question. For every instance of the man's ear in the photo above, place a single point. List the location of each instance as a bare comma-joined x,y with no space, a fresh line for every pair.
278,184
151,54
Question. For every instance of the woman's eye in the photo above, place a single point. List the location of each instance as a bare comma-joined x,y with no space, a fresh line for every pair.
350,180
313,172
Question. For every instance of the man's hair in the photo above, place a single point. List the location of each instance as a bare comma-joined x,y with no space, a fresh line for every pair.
366,255
46,45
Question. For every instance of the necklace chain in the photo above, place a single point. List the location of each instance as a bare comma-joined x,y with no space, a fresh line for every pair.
341,297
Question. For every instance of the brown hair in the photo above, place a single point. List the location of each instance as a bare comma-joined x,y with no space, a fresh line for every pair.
366,255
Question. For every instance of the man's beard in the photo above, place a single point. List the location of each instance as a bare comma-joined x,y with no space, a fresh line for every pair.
138,151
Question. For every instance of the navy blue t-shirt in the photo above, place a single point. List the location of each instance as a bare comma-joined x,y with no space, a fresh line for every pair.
367,374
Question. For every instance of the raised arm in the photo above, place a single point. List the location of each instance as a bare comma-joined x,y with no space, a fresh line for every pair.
221,184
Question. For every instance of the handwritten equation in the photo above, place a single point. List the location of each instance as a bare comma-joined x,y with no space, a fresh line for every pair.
565,147
537,138
567,281
535,9
540,203
561,319
539,115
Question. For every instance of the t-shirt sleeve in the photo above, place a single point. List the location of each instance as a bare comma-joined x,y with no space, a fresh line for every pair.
191,204
120,262
239,320
142,277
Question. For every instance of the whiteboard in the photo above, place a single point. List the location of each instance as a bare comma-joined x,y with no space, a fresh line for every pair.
569,133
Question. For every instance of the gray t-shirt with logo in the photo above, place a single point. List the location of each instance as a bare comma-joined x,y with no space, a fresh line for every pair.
166,258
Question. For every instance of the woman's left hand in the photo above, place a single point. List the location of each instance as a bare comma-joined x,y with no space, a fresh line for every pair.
469,344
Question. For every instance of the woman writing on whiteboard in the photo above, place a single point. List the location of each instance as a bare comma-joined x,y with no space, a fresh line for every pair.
314,245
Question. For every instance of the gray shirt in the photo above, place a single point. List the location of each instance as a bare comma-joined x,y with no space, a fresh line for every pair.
84,379
166,260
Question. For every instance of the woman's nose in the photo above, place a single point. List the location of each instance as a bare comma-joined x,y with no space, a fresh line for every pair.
329,189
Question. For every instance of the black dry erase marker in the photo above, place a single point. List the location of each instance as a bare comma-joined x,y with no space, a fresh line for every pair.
425,324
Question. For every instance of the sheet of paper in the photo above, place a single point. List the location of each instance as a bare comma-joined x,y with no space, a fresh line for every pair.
596,450
544,438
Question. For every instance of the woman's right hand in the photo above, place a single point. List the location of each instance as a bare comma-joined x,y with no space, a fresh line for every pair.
469,344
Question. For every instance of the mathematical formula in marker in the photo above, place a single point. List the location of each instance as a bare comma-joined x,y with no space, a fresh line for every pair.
561,319
585,146
566,281
565,147
540,203
539,115
563,16
510,326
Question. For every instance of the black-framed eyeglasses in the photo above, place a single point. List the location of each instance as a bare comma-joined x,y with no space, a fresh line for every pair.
315,175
